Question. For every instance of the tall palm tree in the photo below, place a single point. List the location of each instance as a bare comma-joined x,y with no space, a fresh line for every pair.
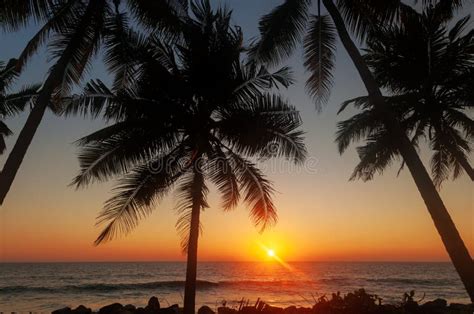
283,28
429,72
11,103
74,30
191,113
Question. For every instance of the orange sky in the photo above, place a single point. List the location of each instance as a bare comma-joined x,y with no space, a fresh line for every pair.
322,216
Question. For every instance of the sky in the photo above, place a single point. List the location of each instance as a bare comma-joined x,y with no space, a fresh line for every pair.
322,215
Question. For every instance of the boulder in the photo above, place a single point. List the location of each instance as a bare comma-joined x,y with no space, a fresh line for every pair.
130,308
290,310
457,308
225,310
251,309
268,309
65,310
205,310
111,308
81,309
440,304
174,309
140,310
153,305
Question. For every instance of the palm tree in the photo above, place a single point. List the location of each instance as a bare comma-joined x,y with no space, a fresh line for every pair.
11,103
191,113
77,29
283,28
431,92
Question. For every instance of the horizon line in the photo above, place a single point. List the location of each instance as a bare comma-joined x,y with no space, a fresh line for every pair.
225,261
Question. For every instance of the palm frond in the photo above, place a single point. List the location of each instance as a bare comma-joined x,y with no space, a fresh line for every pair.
191,193
16,14
8,74
136,194
93,100
354,129
320,46
458,29
117,148
4,132
75,46
62,15
257,191
280,31
363,16
271,129
257,79
124,48
221,173
166,15
13,103
375,156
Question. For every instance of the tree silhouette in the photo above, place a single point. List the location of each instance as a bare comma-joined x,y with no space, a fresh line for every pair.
74,31
282,28
191,113
428,70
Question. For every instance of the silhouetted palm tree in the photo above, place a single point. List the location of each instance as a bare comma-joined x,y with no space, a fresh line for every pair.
11,103
191,113
74,30
284,27
430,74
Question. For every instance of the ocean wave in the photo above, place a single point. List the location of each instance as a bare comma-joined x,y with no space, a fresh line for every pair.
201,284
411,281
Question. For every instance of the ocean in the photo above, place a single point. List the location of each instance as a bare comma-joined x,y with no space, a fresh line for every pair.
45,287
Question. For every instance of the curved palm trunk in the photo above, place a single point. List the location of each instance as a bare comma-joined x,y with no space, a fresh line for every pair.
54,80
15,158
453,242
191,266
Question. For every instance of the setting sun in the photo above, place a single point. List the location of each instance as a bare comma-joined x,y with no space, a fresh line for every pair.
271,253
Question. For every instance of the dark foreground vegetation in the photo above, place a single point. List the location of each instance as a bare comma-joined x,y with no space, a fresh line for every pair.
358,302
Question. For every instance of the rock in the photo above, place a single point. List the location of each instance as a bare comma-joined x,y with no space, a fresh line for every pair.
130,308
290,310
461,308
251,309
225,310
153,305
111,308
140,310
205,310
411,306
174,309
66,310
440,304
268,309
81,309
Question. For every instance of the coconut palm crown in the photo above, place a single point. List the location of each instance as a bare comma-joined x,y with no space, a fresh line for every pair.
74,31
192,112
428,71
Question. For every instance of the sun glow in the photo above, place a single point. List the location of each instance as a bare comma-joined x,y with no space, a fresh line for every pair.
271,254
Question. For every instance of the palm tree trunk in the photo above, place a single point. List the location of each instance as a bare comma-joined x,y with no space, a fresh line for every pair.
191,266
453,242
54,80
15,158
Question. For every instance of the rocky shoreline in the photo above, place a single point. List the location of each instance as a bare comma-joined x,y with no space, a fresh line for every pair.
358,302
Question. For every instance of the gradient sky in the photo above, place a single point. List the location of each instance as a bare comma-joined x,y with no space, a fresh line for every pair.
322,216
